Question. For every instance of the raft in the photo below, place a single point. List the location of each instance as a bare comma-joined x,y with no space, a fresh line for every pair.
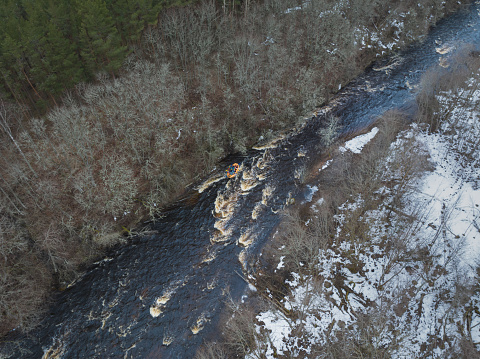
232,170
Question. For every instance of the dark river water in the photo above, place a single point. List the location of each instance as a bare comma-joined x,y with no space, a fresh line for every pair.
161,295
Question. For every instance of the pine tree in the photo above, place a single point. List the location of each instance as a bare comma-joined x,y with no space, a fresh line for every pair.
11,48
61,41
10,65
99,39
132,16
62,65
33,33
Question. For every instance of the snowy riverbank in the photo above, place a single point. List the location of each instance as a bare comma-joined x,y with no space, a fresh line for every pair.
406,286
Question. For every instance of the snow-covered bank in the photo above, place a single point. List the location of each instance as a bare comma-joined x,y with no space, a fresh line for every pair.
400,278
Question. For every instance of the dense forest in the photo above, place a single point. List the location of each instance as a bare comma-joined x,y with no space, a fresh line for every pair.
109,108
49,46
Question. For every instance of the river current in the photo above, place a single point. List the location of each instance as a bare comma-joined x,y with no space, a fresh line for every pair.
161,295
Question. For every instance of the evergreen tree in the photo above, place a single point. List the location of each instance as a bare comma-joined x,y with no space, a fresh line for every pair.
99,39
61,63
131,17
61,42
11,47
11,65
47,46
33,34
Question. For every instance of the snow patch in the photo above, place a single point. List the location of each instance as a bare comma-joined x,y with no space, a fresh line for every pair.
356,144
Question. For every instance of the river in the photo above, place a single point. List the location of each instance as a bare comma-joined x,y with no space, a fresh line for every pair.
161,295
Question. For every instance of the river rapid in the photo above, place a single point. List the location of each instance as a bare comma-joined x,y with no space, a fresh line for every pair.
161,295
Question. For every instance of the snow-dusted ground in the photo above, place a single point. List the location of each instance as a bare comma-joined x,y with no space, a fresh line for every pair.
408,287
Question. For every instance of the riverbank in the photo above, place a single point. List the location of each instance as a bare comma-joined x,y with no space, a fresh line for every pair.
381,260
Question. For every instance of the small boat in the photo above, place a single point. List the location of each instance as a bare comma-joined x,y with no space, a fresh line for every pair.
232,170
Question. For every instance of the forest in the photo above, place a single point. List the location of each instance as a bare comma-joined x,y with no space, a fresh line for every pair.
108,109
47,46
